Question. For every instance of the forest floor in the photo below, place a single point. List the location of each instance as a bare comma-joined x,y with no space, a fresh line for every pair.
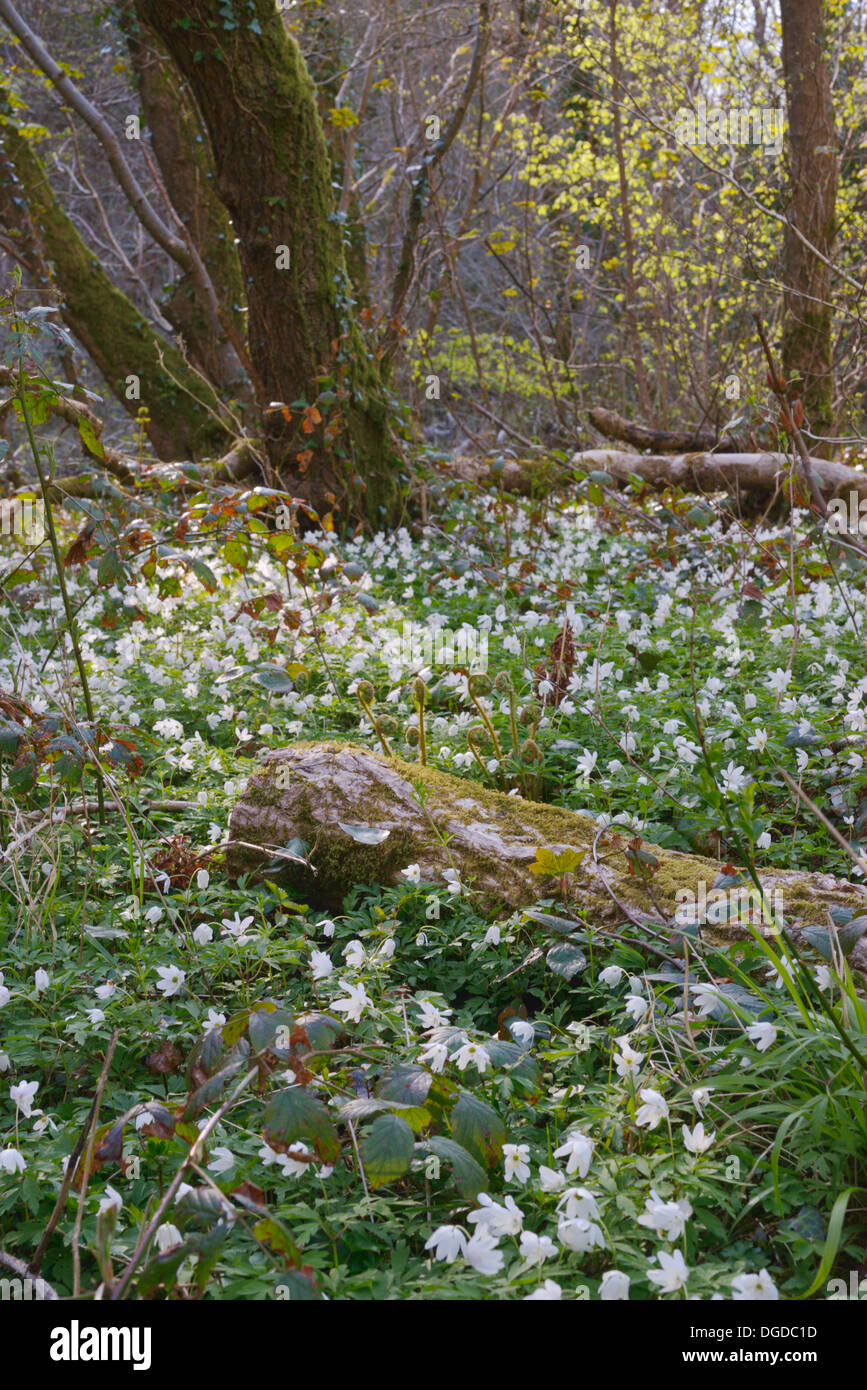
458,1114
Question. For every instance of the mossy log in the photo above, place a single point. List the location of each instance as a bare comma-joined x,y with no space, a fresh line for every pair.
440,822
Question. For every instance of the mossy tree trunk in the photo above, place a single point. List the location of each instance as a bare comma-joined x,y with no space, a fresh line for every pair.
180,145
807,333
274,175
181,408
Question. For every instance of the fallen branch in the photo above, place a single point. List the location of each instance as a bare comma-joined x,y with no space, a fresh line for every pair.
708,473
41,1289
614,426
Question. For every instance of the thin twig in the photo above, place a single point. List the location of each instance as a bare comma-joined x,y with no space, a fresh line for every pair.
88,1165
191,1157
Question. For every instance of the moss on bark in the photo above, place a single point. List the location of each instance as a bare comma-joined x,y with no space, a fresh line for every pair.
438,821
274,176
107,324
183,154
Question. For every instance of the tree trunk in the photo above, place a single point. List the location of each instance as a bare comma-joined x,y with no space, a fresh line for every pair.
183,155
109,326
807,334
313,791
274,176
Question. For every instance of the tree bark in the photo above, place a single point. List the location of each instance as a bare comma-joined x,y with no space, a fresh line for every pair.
807,348
274,177
180,248
180,145
182,409
313,791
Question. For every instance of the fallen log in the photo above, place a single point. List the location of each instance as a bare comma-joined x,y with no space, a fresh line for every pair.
358,816
614,426
526,477
708,473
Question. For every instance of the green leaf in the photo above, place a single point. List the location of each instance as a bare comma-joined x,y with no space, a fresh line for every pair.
293,1115
215,1085
105,1224
236,555
518,1061
359,1109
11,733
478,1128
275,680
407,1085
565,959
470,1178
550,861
204,574
832,1242
161,1269
820,940
273,1233
386,1150
297,1287
851,934
110,569
87,435
322,1029
264,1026
208,1246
